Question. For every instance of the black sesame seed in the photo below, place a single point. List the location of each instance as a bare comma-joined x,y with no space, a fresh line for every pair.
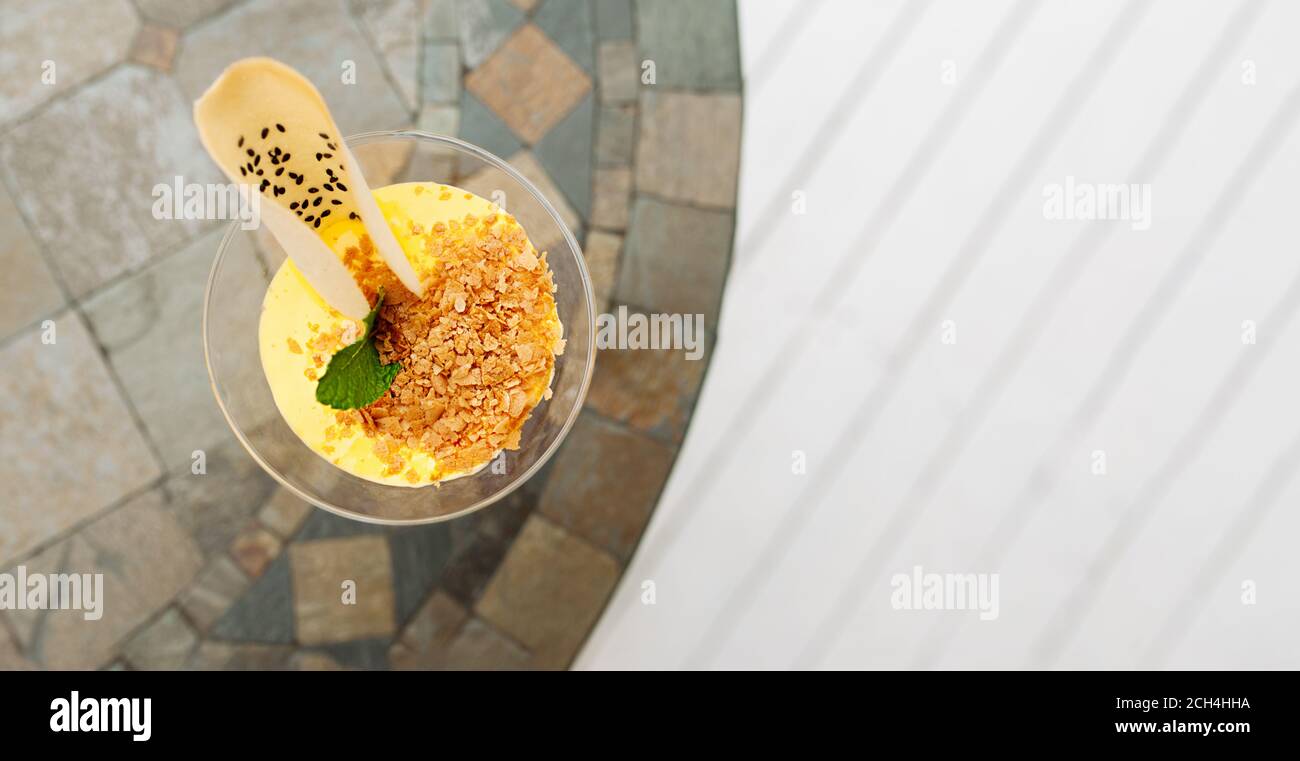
325,214
264,184
299,213
285,157
241,141
279,191
251,151
318,157
332,146
309,217
341,186
293,206
298,180
328,186
250,166
317,201
316,223
243,172
259,173
257,160
279,171
336,202
322,134
313,190
280,127
265,132
352,215
329,155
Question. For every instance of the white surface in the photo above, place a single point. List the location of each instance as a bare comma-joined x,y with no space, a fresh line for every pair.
924,204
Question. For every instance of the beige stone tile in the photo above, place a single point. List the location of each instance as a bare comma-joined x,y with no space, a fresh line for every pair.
166,643
254,549
549,591
423,643
284,513
618,70
155,46
688,147
72,448
217,587
37,294
650,390
321,568
601,254
529,82
611,195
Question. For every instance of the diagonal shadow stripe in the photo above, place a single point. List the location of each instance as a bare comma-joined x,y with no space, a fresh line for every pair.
1038,316
777,50
1067,106
818,150
1225,552
783,361
1123,356
1072,611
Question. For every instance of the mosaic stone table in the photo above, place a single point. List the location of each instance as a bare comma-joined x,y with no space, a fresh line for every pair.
223,569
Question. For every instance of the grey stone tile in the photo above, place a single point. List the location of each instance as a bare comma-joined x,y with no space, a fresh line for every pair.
95,216
228,656
608,506
265,612
565,153
150,324
164,644
675,259
620,71
259,28
146,559
485,129
180,14
476,559
613,19
440,119
216,506
549,591
569,23
479,646
20,258
694,45
688,148
394,25
601,253
38,33
440,20
215,589
420,554
369,654
284,513
322,524
422,642
484,25
11,653
615,135
440,72
71,446
612,195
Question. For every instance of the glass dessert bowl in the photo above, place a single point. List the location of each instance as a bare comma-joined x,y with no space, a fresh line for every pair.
247,260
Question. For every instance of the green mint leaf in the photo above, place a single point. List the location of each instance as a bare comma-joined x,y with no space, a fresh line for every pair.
354,377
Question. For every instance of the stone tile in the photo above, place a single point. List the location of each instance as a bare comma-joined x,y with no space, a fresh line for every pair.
549,591
146,559
612,195
322,524
227,656
440,72
259,28
216,506
615,135
689,147
420,554
320,569
479,646
620,71
601,254
570,24
11,653
440,20
530,214
394,25
151,326
440,119
650,390
265,612
607,505
530,83
525,5
369,654
254,549
164,644
217,587
484,25
172,13
40,31
155,46
422,644
284,513
565,153
613,19
675,259
476,558
483,128
309,660
95,217
693,45
21,260
71,446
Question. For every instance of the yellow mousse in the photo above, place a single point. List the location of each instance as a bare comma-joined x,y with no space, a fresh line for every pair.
299,332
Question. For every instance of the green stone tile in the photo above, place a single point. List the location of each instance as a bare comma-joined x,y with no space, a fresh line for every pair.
265,612
565,153
484,25
675,259
694,45
615,135
440,72
569,24
613,19
483,128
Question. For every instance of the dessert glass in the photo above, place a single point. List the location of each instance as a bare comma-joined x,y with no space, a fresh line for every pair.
244,264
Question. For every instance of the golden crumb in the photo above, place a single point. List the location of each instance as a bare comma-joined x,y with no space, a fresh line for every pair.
294,346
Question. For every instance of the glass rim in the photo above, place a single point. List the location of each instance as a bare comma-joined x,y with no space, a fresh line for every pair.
363,138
